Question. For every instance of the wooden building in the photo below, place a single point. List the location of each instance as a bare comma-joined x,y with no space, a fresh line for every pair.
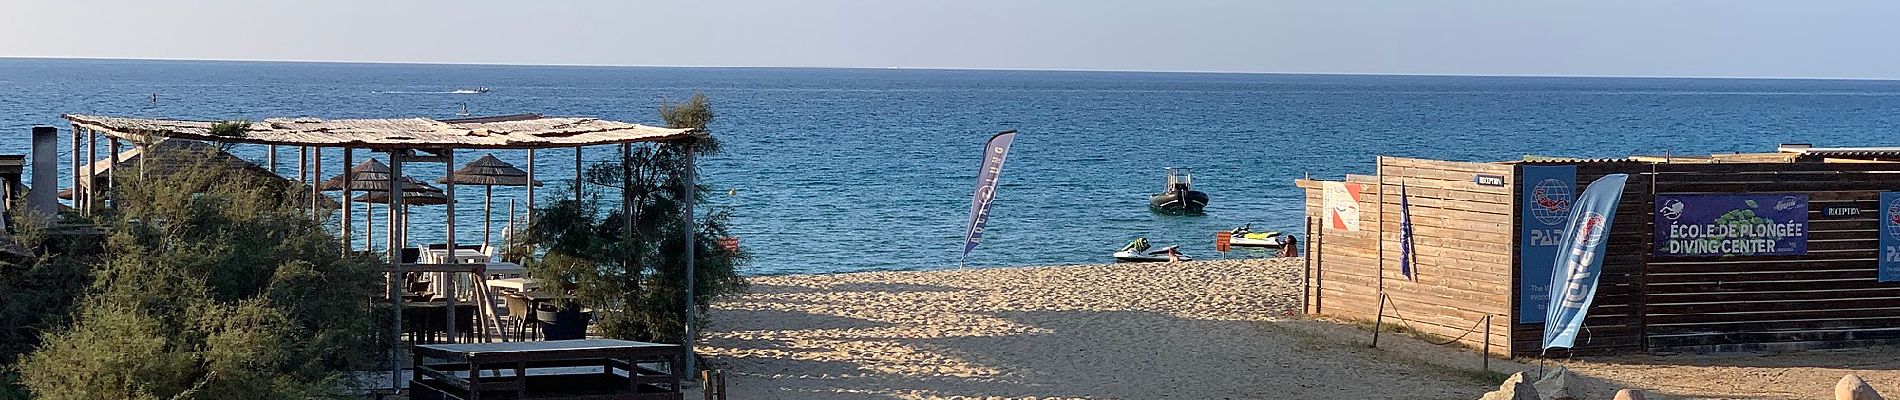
1469,239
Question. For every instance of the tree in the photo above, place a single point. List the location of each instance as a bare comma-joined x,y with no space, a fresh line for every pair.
628,262
215,284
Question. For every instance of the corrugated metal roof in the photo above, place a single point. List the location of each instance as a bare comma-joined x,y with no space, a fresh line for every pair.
521,131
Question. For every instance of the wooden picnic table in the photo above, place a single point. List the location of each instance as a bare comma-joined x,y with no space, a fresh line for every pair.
564,369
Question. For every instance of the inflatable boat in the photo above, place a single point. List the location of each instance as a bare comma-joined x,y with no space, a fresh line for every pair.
1180,198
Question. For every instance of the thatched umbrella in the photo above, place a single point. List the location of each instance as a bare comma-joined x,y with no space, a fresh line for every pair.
489,172
372,178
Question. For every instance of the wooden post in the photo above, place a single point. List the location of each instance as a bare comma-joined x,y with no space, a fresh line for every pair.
316,179
92,158
77,170
349,204
396,283
1378,321
271,157
686,189
577,172
112,174
448,288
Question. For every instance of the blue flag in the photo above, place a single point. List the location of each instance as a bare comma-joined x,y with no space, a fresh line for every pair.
1580,260
1405,235
993,156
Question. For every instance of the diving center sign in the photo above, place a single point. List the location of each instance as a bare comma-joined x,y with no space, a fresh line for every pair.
1709,225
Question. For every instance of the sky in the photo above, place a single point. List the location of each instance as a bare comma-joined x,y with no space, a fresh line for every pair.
1788,39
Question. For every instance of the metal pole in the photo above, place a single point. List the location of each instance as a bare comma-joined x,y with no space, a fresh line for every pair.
349,204
686,196
488,214
1378,322
396,244
369,227
510,243
528,219
272,157
448,288
1485,356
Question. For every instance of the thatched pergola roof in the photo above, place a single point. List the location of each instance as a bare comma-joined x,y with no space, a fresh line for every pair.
506,132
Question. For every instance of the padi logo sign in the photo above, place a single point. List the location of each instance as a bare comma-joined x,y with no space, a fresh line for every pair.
1892,222
1591,230
1551,200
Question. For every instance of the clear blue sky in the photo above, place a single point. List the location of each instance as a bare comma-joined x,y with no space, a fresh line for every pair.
1843,39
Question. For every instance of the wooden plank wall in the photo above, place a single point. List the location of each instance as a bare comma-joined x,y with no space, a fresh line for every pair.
1463,238
1829,297
1614,322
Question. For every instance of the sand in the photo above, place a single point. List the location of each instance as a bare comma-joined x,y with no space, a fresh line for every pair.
1195,330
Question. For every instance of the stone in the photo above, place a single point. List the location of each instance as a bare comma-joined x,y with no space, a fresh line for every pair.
1630,394
1558,384
1851,387
1515,388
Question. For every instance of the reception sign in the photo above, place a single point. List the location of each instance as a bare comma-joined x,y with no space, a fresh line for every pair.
1547,197
1710,225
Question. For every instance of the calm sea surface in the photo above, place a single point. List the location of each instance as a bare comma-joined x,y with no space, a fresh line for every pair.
834,170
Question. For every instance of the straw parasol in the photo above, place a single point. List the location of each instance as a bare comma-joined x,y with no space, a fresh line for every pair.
489,172
372,178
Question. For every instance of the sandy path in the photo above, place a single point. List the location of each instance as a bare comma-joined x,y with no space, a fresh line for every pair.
1203,330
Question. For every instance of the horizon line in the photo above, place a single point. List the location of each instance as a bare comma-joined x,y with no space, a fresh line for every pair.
896,67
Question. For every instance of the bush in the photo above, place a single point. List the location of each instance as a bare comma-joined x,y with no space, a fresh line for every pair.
628,263
215,284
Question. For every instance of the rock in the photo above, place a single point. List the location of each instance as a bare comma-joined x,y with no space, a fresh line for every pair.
1630,394
1558,384
1514,388
1851,387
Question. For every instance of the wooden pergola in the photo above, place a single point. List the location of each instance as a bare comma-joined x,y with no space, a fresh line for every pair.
405,140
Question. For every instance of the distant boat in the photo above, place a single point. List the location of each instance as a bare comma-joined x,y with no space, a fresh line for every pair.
471,91
464,112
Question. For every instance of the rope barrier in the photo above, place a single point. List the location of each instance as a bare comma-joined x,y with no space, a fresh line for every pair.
1408,324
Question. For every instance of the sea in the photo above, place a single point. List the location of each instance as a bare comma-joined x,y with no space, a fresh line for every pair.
843,170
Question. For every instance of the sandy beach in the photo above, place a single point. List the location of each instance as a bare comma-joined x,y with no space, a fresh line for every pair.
1196,330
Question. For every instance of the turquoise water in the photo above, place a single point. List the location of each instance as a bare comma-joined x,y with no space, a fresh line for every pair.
872,169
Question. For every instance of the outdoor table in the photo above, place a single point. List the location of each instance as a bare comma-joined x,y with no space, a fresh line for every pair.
462,256
504,269
591,368
516,284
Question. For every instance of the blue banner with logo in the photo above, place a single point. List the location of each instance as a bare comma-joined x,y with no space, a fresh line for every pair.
1545,208
993,156
1580,259
1712,225
1890,236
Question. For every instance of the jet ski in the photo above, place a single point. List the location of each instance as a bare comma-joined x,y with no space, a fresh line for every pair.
1245,237
1181,198
1137,251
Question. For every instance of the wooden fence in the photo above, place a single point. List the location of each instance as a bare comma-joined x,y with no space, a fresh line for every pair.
1462,244
1468,261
